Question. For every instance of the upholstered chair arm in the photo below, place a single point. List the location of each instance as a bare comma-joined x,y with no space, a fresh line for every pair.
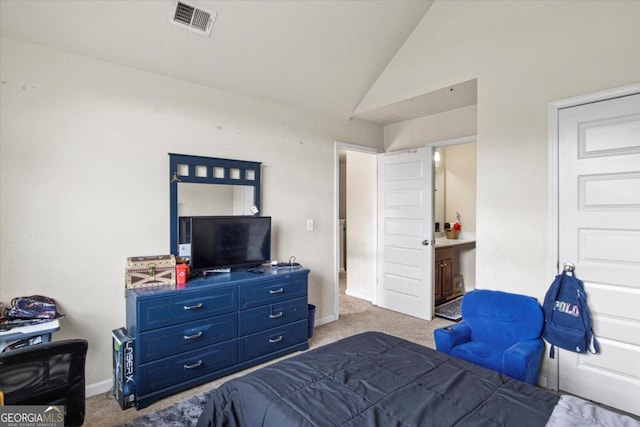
450,336
522,360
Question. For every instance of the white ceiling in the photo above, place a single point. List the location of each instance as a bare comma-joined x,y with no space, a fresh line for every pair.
319,56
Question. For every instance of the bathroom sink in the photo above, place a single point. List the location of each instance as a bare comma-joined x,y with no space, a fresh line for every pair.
440,241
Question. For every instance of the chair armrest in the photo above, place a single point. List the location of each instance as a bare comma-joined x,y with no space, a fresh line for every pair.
522,360
450,336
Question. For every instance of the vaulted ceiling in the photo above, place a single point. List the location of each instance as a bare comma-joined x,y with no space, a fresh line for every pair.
319,56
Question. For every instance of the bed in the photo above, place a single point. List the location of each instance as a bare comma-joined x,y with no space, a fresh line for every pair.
374,379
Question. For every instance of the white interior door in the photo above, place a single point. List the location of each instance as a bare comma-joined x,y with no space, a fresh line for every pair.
599,231
405,220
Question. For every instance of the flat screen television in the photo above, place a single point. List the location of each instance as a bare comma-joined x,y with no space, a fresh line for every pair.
225,242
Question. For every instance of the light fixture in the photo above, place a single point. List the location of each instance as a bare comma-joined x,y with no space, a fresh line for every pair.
436,157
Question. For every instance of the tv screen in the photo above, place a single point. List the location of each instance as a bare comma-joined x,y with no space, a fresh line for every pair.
219,242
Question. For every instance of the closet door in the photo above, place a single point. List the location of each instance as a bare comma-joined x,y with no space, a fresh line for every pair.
599,232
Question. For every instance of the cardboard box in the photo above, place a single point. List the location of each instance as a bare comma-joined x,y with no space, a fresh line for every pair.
124,380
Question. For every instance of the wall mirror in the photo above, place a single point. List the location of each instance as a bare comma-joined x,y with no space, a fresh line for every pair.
210,186
217,199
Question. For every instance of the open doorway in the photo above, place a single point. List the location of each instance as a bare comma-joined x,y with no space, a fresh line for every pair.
455,186
356,223
454,201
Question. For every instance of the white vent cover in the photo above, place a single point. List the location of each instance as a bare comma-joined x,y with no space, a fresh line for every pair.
192,18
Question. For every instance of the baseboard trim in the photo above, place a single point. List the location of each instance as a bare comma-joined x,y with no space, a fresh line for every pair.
358,295
325,320
98,388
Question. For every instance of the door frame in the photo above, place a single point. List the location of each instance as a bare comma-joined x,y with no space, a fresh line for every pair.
553,263
337,146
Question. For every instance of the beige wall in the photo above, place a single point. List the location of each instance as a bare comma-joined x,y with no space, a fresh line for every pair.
524,55
436,127
361,221
84,180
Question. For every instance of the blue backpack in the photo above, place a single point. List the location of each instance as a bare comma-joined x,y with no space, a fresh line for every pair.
567,323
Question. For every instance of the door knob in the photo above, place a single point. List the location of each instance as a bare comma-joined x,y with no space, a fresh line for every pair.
425,243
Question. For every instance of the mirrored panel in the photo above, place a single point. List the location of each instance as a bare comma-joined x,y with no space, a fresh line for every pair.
210,186
214,199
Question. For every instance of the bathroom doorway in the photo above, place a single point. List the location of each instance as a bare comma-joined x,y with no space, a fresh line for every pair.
455,167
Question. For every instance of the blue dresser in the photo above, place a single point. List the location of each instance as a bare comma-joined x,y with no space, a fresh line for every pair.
216,325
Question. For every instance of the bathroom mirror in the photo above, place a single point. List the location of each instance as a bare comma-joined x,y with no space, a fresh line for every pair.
210,186
439,188
455,185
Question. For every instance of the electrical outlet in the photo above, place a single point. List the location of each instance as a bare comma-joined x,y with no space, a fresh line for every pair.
310,224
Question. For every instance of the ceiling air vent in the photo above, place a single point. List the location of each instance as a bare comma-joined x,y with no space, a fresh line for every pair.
192,18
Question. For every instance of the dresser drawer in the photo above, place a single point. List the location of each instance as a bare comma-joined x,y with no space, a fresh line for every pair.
252,346
185,366
180,307
271,291
185,337
271,315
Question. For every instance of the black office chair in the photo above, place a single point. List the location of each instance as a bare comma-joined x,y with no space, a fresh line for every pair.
47,374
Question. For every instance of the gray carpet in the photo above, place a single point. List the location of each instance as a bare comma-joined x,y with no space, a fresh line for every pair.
450,310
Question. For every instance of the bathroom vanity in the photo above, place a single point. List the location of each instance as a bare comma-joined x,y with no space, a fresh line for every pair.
450,260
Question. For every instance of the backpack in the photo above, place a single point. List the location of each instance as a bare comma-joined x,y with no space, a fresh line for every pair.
567,323
29,310
32,307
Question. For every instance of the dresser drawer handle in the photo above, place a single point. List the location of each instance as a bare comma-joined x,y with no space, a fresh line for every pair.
276,316
193,337
276,291
193,307
275,340
194,366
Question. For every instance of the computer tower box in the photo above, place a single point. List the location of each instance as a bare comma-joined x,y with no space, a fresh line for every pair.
124,382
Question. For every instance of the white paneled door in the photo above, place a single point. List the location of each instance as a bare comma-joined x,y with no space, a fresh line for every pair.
405,232
599,231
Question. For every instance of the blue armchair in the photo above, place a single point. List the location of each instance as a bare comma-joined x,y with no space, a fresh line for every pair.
499,331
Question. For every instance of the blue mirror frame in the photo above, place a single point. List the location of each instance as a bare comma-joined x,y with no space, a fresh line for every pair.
207,170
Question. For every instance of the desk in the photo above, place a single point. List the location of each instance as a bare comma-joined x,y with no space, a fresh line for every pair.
43,330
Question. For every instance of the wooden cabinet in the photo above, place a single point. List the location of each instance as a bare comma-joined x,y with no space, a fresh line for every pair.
213,327
443,277
447,265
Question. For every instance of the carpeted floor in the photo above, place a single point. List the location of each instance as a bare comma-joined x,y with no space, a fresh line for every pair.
356,316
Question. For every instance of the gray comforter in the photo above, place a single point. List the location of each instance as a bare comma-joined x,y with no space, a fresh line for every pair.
373,379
